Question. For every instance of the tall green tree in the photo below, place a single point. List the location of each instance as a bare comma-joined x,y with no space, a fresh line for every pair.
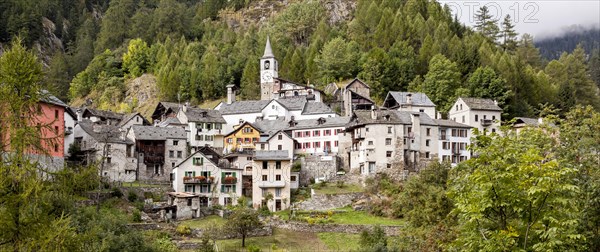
27,222
485,83
137,58
509,35
242,221
338,60
441,82
250,87
486,24
515,195
115,25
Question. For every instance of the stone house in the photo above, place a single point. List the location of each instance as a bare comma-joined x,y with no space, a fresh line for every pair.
157,150
382,138
482,114
204,174
107,145
165,110
204,127
131,119
412,102
182,206
271,178
454,138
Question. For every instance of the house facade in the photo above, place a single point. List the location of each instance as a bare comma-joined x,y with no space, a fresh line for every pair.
454,138
411,102
482,114
243,137
318,136
271,179
204,127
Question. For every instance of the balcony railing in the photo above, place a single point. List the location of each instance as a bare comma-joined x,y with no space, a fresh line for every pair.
486,122
229,180
198,180
271,184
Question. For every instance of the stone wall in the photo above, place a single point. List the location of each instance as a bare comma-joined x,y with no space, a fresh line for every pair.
314,167
322,202
337,228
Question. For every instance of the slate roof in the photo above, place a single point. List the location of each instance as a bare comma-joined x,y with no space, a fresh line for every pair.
103,132
103,114
271,126
271,155
480,104
163,107
47,97
312,108
451,124
198,115
418,99
207,152
328,122
527,121
356,80
157,133
169,121
293,103
243,107
389,117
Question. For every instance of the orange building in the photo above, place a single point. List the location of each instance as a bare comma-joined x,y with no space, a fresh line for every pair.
241,138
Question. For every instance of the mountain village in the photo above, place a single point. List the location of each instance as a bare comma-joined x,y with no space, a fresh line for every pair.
264,149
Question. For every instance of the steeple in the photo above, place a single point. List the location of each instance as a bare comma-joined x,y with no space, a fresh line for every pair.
268,51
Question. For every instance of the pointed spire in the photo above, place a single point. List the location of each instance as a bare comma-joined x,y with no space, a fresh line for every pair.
268,51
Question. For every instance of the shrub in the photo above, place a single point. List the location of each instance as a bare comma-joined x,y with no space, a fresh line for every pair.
132,196
340,184
253,248
136,216
264,211
183,230
116,192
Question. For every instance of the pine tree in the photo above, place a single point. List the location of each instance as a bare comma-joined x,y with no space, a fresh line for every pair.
486,25
509,35
250,88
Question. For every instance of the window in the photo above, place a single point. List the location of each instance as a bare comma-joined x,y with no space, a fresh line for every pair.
199,137
265,164
198,161
298,134
371,167
460,106
55,147
445,145
175,142
454,133
389,165
239,140
264,192
279,147
172,164
421,110
317,144
278,165
463,119
389,130
229,140
493,117
427,154
293,178
388,141
108,147
247,130
262,146
278,192
189,202
484,116
264,177
316,133
280,137
366,129
306,133
56,113
108,160
56,129
409,129
306,146
277,177
247,140
476,118
388,154
335,143
427,142
327,133
493,130
179,154
255,139
428,131
249,158
339,131
171,154
370,142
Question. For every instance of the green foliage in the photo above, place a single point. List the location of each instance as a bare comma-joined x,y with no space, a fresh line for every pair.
442,82
242,221
338,60
132,196
137,59
485,83
183,230
375,240
136,216
298,21
515,195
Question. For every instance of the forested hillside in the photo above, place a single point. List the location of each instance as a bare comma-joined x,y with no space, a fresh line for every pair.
195,48
552,47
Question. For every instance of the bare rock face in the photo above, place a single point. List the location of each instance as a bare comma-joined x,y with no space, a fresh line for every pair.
339,10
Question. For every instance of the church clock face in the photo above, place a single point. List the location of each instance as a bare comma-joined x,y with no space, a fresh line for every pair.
267,77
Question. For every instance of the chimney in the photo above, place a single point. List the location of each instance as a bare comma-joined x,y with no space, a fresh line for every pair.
495,102
409,98
230,94
373,113
185,105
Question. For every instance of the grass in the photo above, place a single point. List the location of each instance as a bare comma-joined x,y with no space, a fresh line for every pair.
339,241
330,188
138,184
281,239
363,218
210,221
211,103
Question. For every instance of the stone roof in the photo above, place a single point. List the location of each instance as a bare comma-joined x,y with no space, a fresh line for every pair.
271,126
312,108
169,121
451,124
480,104
418,99
323,122
103,114
243,107
157,133
271,155
203,115
293,103
206,152
128,117
103,132
389,117
527,121
47,97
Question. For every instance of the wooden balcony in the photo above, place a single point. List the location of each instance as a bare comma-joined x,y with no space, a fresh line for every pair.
197,180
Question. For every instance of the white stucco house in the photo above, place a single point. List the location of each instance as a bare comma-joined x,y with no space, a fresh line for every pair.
454,138
479,113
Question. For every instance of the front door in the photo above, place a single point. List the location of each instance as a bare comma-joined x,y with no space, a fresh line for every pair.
277,205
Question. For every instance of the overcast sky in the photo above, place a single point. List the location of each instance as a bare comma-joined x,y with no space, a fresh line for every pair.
540,18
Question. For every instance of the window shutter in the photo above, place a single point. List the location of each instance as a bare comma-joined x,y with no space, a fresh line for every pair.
194,174
234,188
194,161
193,189
209,188
233,174
222,188
222,177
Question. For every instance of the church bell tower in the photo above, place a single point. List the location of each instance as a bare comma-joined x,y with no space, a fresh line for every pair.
268,71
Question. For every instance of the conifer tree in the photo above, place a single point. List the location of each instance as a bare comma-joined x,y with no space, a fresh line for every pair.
509,35
486,24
